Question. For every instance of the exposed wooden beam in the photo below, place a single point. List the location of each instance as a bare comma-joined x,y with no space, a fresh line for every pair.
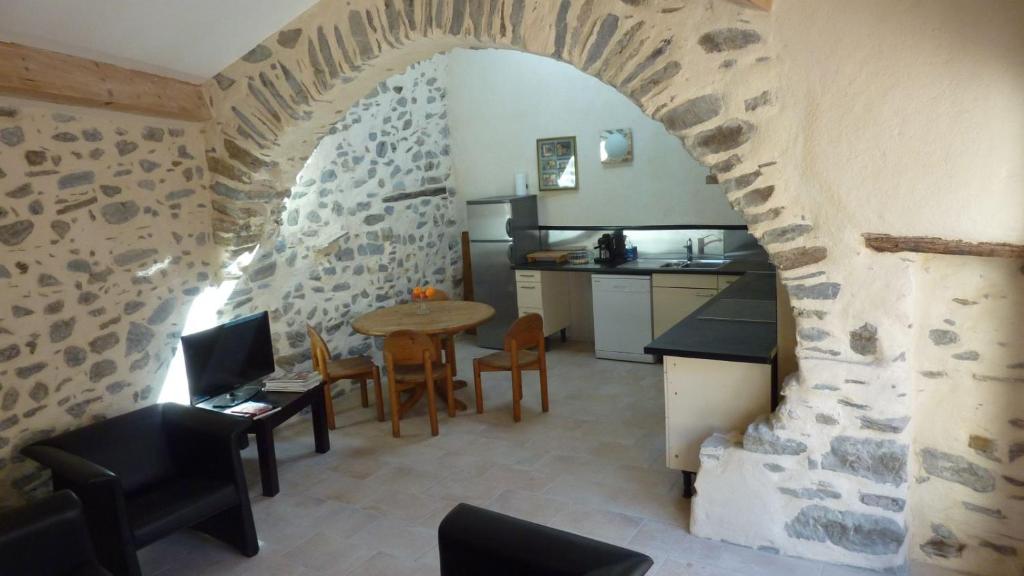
931,245
765,5
54,77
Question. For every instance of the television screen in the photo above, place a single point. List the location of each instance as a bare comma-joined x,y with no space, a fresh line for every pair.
225,357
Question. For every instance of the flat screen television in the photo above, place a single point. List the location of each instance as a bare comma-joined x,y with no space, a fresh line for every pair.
225,358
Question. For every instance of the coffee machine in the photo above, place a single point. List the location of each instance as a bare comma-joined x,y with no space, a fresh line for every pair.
611,248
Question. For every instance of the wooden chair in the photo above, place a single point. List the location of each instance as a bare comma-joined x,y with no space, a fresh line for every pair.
358,368
525,334
412,361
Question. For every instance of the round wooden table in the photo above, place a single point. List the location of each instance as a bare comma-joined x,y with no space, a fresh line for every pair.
443,318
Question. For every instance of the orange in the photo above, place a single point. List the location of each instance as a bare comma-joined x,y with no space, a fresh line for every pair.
431,292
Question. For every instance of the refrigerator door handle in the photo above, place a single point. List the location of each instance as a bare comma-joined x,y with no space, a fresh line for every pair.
508,227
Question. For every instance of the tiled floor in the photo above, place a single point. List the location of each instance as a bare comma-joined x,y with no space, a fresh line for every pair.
593,465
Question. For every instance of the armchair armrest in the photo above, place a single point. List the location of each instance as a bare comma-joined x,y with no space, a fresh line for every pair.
30,534
477,541
70,468
101,494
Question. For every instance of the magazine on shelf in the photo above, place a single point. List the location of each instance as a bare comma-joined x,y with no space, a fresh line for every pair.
292,382
252,409
299,377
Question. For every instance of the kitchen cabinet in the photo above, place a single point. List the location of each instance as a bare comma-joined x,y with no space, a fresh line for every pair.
676,296
547,294
707,396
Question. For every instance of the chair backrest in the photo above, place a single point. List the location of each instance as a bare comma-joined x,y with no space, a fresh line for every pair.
439,295
527,332
133,446
318,350
408,346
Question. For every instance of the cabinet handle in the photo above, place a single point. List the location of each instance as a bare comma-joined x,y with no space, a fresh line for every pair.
527,287
707,295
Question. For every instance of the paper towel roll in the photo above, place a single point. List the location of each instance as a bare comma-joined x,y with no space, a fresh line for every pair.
521,187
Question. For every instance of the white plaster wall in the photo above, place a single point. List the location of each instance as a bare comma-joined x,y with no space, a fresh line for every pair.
502,101
907,116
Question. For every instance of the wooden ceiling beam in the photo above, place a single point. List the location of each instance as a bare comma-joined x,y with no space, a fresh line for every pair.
765,5
932,245
54,77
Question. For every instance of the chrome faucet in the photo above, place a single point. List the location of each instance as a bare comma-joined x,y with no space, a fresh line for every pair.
689,249
702,244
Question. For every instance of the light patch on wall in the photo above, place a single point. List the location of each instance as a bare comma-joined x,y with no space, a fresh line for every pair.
154,268
201,315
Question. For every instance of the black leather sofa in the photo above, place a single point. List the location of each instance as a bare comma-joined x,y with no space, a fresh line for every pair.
475,541
147,473
47,537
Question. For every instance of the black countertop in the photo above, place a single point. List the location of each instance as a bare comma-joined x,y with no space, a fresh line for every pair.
737,325
644,267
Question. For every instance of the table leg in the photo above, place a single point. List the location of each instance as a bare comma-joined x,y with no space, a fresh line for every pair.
268,459
450,352
321,434
456,384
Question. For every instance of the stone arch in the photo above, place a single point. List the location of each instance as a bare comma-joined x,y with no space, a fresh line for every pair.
706,71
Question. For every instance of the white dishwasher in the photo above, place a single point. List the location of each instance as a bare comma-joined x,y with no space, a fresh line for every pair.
622,317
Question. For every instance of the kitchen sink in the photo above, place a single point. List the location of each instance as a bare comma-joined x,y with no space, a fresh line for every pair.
695,264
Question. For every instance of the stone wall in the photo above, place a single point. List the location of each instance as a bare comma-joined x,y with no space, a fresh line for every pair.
372,215
968,463
104,241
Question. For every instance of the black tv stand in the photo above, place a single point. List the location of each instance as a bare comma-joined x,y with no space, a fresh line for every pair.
234,397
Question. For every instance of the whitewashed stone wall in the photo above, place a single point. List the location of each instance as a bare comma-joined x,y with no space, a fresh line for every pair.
104,241
967,498
372,215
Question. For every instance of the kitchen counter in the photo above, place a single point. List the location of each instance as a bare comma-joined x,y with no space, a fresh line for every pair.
652,266
737,325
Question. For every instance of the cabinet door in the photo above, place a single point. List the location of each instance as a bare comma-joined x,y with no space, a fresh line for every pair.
671,305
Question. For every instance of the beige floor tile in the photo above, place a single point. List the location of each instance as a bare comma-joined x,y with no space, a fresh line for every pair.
604,525
382,564
528,506
327,553
395,537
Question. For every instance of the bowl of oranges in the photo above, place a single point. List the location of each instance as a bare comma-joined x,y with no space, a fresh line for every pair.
423,294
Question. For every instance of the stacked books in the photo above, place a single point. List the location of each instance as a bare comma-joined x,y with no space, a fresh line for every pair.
252,409
292,382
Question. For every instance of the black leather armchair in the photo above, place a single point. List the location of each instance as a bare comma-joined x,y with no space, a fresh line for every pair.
47,538
475,541
145,474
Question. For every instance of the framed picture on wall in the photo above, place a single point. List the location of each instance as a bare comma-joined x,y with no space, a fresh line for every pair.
556,163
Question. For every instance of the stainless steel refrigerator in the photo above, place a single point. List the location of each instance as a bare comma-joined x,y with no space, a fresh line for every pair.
502,231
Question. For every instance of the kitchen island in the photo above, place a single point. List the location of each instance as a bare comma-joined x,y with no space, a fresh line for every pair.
718,345
719,366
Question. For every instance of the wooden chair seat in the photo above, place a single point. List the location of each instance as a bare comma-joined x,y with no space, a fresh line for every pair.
358,368
346,368
408,356
524,350
503,360
417,373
